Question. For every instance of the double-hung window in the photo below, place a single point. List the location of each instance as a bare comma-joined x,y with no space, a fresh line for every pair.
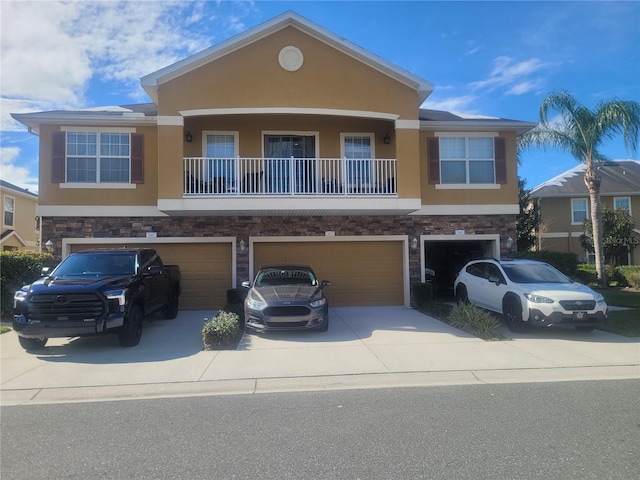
220,150
9,211
579,210
622,203
358,151
467,160
98,157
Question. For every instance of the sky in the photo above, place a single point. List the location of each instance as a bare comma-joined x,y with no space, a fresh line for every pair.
499,58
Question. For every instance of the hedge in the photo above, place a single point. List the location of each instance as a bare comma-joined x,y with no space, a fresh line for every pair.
16,270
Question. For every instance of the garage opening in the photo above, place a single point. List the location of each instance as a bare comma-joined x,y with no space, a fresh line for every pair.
447,257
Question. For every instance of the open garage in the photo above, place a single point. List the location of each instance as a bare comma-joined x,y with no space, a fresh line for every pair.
361,272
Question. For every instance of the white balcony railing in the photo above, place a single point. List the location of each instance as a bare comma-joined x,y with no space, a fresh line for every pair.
289,176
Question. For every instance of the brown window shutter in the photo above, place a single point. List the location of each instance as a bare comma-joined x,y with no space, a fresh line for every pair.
501,160
57,158
434,160
137,158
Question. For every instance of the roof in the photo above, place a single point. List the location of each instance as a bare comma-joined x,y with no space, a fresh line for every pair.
17,189
152,81
440,119
619,177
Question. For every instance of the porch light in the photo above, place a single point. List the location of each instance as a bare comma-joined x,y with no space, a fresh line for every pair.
387,139
509,244
414,243
49,246
188,137
242,245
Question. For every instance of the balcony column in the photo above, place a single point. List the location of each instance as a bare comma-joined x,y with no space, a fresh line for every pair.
170,154
407,140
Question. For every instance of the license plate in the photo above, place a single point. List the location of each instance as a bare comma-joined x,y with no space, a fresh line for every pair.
579,315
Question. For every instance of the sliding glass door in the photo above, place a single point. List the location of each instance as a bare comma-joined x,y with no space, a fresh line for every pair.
290,164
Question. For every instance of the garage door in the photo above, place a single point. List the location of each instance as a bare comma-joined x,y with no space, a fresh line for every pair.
205,267
361,273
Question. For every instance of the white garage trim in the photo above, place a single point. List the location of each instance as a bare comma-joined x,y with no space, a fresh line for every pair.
493,237
364,238
67,242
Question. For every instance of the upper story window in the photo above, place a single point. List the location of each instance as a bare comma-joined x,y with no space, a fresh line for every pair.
357,148
622,203
106,156
467,160
579,210
9,206
221,149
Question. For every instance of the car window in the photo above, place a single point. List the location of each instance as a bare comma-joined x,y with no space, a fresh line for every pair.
477,269
276,277
534,273
493,270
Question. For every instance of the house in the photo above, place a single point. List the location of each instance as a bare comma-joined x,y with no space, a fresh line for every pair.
284,144
564,204
20,224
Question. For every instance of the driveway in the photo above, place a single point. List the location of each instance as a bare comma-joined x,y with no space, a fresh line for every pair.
365,346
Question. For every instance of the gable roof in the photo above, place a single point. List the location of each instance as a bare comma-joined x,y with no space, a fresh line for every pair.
7,234
16,189
152,81
443,120
619,177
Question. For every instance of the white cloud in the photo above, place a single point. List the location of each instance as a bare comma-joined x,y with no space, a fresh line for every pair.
452,104
18,175
516,77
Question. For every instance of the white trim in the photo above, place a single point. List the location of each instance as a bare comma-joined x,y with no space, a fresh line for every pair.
497,209
494,237
466,134
99,186
13,212
67,128
98,211
625,197
372,143
286,133
290,58
236,140
468,186
407,124
562,234
587,210
15,234
478,125
170,121
67,242
287,110
347,238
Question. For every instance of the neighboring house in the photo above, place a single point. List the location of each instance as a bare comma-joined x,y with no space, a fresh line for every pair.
284,144
564,205
20,224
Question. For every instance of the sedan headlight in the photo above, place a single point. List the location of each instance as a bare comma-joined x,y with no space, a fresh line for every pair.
532,297
255,302
318,303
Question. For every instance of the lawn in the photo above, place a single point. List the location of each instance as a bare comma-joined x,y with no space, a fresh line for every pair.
622,322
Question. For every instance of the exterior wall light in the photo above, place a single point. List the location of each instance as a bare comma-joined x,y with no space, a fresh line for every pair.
188,137
414,243
387,139
242,245
49,246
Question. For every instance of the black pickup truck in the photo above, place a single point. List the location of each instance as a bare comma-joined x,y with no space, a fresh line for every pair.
97,292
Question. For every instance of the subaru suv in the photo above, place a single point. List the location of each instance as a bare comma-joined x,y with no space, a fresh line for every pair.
529,293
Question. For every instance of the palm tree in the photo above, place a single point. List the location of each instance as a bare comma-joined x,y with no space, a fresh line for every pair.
580,132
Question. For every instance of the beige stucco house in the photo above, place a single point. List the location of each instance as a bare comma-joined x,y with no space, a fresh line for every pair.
284,144
564,204
20,224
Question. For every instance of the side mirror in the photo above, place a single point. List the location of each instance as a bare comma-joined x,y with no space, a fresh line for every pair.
494,279
325,283
246,284
45,271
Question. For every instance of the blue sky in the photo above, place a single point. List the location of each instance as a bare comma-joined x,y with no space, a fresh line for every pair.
488,58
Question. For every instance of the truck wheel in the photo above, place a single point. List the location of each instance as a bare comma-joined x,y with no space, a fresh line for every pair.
170,310
131,331
32,343
513,315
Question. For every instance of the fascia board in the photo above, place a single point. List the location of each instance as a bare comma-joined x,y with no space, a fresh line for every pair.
34,120
478,125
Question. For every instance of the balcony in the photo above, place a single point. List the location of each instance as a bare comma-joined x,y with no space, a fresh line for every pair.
240,177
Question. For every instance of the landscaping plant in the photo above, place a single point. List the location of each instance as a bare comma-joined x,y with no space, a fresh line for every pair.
474,320
223,330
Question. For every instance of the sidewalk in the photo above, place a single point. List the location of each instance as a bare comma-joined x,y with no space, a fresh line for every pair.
366,347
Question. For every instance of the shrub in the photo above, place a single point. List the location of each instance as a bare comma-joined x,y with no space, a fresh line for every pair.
16,270
421,293
631,274
586,273
221,330
474,320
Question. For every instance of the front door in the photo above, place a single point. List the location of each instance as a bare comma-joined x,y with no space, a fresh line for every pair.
290,164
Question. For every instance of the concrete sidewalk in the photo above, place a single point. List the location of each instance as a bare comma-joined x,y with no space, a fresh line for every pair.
365,347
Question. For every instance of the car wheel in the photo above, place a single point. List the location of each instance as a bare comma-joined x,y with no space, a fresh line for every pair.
585,328
171,308
513,315
461,294
32,343
131,331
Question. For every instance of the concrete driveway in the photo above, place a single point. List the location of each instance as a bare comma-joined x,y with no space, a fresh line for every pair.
364,347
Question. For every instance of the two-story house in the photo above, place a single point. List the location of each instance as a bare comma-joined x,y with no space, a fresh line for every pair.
20,224
564,204
284,144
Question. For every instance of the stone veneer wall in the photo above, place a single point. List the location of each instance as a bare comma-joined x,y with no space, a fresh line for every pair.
57,228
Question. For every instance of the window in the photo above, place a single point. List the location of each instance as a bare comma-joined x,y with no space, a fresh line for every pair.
9,211
98,157
358,150
622,203
220,149
467,160
579,211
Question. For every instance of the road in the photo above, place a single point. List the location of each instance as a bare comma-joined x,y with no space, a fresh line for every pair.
570,430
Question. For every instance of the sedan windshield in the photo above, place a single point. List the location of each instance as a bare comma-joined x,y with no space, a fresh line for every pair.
274,277
534,273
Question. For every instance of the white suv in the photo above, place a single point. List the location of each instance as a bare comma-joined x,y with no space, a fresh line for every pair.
527,292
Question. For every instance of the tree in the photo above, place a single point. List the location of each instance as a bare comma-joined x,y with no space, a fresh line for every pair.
581,132
617,235
526,220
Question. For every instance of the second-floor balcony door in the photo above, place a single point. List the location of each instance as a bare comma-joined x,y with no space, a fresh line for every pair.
290,164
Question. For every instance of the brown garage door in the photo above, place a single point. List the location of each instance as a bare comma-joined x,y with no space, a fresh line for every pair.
361,273
205,268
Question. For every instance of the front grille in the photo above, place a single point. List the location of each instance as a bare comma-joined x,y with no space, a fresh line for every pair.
579,305
72,307
287,311
286,324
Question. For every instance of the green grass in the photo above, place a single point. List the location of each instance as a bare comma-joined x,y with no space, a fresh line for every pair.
621,297
4,329
622,322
